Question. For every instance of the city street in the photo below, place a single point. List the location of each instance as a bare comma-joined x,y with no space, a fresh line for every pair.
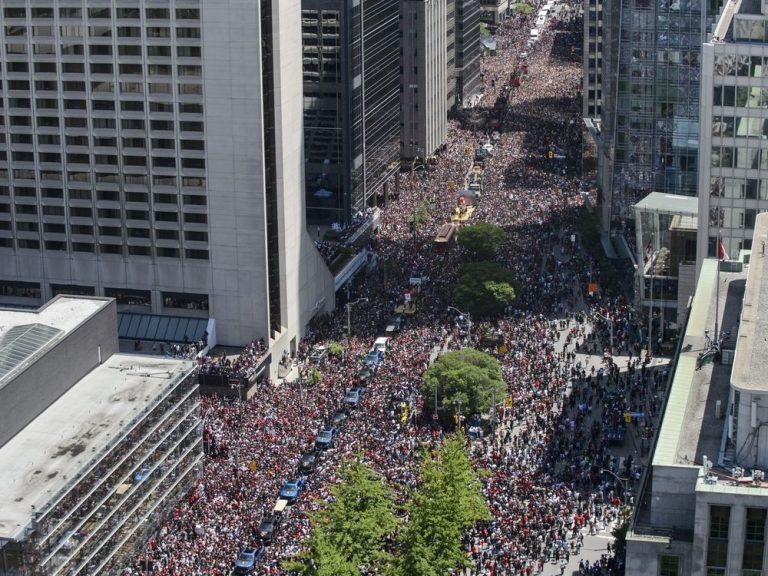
568,417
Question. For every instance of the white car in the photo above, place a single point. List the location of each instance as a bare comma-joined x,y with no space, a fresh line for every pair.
381,344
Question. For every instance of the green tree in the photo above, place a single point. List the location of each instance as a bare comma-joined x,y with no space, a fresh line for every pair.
484,288
619,533
350,530
468,378
522,8
335,348
448,501
483,240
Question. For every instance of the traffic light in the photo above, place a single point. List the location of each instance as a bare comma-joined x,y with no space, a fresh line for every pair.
550,154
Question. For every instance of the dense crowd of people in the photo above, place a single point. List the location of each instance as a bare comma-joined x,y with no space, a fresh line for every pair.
547,455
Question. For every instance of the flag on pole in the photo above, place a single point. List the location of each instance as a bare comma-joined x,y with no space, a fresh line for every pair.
648,250
721,253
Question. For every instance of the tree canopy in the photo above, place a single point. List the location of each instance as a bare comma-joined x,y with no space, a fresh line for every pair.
484,288
468,378
483,240
448,501
350,530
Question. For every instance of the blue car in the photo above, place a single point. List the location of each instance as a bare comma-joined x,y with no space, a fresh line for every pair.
325,438
352,397
246,560
291,489
374,358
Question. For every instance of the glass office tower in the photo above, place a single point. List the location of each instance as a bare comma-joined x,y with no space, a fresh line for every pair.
651,113
351,105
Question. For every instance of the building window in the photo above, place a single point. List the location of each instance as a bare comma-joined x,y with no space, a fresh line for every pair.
72,290
185,300
13,289
669,565
127,297
717,546
754,542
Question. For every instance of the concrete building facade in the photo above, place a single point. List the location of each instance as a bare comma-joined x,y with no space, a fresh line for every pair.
733,173
146,156
703,504
425,78
106,445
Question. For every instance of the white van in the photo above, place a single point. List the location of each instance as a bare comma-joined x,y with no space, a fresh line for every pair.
381,344
534,35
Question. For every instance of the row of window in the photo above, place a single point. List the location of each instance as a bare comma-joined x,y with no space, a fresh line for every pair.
104,231
103,159
739,157
16,31
102,87
100,178
103,123
107,68
156,144
740,96
100,13
107,195
78,31
44,104
738,65
746,188
125,296
16,48
111,249
728,217
127,50
754,541
107,213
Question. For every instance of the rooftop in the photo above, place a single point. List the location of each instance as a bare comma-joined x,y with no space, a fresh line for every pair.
669,204
690,430
750,365
37,463
25,333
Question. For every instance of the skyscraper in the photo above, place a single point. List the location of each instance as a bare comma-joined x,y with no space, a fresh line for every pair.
153,152
351,104
650,105
425,76
733,174
467,50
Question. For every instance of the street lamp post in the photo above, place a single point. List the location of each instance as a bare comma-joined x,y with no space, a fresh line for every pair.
469,321
622,481
349,315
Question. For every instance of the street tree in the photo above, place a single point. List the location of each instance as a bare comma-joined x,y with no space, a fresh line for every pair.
448,501
468,380
484,288
484,240
349,531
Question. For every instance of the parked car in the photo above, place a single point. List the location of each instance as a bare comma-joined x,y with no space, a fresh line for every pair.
267,529
291,489
394,325
381,344
308,462
325,438
339,418
373,359
246,560
352,397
